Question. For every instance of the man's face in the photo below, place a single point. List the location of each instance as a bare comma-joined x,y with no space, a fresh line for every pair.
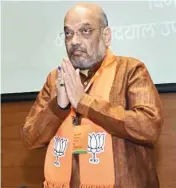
83,39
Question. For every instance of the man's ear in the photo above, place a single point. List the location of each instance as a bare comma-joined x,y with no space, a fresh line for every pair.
107,36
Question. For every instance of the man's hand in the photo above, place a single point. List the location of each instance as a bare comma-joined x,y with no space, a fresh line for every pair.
62,97
74,87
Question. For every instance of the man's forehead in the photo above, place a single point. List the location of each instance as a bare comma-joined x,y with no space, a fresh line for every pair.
80,16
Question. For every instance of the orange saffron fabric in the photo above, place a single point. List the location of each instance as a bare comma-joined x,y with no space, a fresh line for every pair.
124,103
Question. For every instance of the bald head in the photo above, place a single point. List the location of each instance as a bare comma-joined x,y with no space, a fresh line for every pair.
87,35
95,11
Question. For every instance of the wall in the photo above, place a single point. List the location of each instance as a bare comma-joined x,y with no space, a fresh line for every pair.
23,167
32,45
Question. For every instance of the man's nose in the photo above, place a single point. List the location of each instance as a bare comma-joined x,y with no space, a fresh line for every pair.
76,39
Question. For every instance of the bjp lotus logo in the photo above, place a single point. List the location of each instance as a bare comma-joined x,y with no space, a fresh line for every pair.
60,145
96,142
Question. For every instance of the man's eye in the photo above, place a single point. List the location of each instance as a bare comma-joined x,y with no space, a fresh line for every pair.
85,31
68,33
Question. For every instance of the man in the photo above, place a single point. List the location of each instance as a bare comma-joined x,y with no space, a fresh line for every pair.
100,113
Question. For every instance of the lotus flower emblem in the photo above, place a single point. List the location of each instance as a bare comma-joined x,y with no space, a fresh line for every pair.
96,142
60,145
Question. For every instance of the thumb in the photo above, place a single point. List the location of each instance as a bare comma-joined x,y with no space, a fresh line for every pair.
77,72
78,75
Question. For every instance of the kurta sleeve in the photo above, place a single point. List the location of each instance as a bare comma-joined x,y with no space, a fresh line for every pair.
44,118
141,121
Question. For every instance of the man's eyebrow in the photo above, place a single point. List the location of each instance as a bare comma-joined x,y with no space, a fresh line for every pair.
67,27
85,24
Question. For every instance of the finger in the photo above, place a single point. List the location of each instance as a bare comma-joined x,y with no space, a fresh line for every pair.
59,68
68,86
69,74
77,72
70,65
58,77
70,70
78,78
58,72
57,84
65,59
64,66
62,77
